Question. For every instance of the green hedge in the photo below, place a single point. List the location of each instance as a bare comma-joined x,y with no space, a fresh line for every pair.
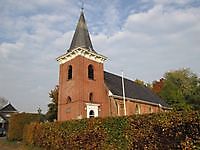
17,123
155,131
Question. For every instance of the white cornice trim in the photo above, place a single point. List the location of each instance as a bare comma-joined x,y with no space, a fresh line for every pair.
92,104
81,52
110,93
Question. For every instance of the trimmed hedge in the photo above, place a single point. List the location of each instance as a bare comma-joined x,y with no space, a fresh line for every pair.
155,131
17,123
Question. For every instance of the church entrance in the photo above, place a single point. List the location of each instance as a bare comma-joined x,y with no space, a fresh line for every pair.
92,110
91,114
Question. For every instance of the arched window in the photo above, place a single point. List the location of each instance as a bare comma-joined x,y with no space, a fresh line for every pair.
91,97
69,100
91,72
137,109
70,72
150,109
91,114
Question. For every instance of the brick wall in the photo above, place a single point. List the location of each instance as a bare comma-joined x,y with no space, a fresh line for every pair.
117,107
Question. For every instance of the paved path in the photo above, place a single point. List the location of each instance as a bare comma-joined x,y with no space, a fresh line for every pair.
2,138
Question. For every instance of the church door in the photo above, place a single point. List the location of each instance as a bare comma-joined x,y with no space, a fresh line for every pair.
92,110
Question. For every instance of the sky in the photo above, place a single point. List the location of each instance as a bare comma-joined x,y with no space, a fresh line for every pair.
143,38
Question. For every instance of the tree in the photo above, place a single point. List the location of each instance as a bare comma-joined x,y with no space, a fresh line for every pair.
157,85
51,114
140,82
181,89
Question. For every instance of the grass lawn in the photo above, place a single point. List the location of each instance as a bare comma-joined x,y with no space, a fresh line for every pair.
8,145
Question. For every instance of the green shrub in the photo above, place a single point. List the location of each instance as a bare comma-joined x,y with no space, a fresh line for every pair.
17,123
115,128
166,130
155,131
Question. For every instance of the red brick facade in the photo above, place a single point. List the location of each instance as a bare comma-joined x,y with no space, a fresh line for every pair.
79,89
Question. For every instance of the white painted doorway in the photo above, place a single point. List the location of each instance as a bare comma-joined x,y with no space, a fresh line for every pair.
92,110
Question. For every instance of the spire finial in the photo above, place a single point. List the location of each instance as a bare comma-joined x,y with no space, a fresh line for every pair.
82,6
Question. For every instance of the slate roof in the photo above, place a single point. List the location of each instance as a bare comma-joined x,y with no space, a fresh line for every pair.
8,108
81,36
5,106
132,89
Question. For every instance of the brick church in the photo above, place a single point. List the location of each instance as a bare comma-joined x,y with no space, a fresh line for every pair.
86,90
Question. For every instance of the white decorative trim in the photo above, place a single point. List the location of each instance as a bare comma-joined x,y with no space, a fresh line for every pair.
92,107
110,93
81,52
92,104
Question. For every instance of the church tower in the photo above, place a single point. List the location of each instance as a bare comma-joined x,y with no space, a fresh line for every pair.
82,91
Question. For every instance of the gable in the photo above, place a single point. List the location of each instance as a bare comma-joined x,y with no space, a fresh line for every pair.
8,108
132,89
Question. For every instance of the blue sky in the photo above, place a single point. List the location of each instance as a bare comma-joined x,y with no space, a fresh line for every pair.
144,38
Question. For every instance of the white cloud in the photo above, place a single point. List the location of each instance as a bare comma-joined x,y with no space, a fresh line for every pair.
158,21
111,18
7,48
153,42
172,1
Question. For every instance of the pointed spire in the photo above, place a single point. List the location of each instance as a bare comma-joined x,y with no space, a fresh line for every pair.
81,36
